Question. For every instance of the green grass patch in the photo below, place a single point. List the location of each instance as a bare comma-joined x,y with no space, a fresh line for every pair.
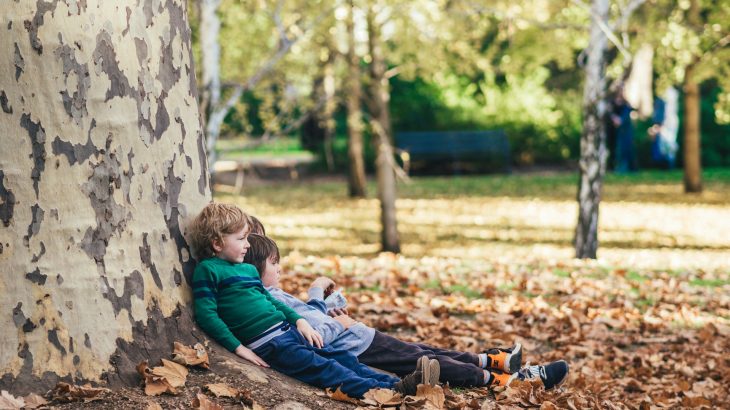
464,290
561,273
709,283
635,276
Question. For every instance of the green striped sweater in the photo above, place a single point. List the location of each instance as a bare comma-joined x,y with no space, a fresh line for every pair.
231,304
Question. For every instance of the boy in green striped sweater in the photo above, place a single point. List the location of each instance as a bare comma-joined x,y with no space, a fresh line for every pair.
232,306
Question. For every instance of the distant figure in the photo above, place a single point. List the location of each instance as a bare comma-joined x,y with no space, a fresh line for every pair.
621,120
664,131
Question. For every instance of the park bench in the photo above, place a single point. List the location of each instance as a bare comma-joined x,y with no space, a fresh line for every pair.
458,151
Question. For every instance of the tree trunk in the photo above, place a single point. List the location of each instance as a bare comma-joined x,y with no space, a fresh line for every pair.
210,26
356,174
103,161
692,152
593,152
384,161
692,163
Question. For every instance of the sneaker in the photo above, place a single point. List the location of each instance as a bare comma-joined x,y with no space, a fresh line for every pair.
432,373
506,360
427,372
500,378
552,374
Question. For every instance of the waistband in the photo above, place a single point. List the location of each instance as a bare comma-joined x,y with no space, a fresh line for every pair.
267,335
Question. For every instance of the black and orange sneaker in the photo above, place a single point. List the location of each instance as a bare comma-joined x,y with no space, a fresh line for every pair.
552,374
506,360
499,378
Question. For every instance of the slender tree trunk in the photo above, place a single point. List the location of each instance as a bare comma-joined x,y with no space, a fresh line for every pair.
593,152
384,161
692,151
328,112
356,174
103,161
210,26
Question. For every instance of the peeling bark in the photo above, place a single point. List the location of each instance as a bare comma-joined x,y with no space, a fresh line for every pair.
97,189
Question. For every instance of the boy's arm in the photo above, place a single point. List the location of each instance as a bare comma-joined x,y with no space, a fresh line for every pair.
289,313
316,299
206,310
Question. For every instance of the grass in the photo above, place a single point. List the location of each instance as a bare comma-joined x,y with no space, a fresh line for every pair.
646,219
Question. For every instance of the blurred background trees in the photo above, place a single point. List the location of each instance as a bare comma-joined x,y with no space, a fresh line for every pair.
338,80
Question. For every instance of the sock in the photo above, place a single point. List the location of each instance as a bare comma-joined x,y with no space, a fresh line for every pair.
487,377
484,359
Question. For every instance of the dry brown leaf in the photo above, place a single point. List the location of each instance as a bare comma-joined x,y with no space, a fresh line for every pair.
222,390
340,396
153,406
432,394
64,392
8,401
33,401
162,379
190,356
382,397
204,403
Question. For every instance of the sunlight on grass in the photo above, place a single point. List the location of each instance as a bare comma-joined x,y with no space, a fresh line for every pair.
645,220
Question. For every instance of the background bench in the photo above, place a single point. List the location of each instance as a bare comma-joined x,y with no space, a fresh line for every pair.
455,151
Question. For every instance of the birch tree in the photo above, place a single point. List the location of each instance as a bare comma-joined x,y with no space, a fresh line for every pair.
102,163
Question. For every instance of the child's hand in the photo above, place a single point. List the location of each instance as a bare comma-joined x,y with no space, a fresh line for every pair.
325,283
248,354
345,321
312,336
338,312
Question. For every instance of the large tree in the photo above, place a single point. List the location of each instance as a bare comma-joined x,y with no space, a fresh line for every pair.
102,162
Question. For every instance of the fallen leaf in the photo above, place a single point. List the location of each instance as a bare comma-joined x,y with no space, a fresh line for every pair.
340,396
222,390
153,406
33,401
67,393
8,401
161,379
203,403
382,397
432,394
190,356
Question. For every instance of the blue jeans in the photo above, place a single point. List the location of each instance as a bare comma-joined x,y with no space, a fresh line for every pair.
292,355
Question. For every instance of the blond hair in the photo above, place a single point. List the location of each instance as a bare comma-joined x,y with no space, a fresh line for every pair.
212,223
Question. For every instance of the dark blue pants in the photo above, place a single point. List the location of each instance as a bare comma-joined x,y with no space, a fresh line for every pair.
460,369
292,355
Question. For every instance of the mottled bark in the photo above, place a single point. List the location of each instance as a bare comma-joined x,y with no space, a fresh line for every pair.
382,134
691,146
356,166
103,161
593,152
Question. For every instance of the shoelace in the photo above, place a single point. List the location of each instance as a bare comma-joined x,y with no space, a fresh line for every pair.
532,372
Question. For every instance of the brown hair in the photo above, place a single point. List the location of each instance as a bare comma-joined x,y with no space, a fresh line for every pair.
262,249
256,226
212,223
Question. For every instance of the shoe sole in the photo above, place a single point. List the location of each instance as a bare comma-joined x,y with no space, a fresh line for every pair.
434,372
422,363
515,359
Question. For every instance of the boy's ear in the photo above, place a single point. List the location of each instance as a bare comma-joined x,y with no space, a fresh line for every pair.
217,245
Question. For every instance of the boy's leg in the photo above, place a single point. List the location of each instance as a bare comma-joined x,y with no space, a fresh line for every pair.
464,357
351,362
394,355
289,354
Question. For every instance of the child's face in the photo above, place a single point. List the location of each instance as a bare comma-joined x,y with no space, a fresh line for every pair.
270,276
234,246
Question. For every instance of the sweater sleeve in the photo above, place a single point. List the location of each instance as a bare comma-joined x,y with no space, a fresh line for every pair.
289,313
205,287
316,299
